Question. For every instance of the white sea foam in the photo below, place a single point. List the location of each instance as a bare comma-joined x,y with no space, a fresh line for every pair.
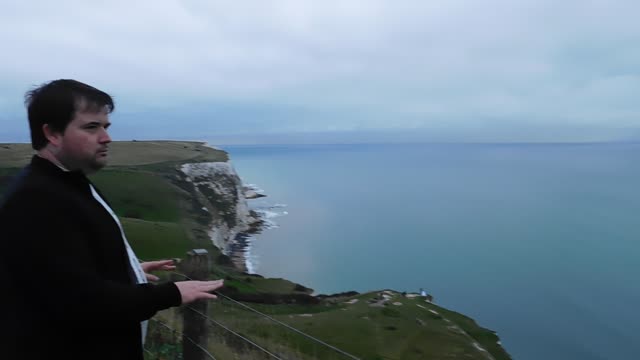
268,223
271,214
268,214
254,187
250,260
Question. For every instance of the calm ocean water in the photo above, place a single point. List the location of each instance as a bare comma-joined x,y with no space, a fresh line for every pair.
540,243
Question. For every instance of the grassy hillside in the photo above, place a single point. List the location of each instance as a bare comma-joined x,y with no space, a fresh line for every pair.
402,327
139,195
156,240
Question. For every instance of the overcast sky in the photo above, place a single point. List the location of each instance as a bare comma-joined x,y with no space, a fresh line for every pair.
527,70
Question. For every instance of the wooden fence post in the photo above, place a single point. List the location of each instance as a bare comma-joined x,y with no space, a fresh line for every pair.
195,329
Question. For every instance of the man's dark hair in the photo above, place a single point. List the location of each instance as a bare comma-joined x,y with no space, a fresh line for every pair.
55,103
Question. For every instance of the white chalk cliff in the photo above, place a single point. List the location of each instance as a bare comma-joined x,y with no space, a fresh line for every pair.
220,191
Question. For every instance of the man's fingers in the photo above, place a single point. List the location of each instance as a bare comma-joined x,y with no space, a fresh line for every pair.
213,285
193,290
158,264
210,286
209,296
165,265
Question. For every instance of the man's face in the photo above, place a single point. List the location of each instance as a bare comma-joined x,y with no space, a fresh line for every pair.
84,143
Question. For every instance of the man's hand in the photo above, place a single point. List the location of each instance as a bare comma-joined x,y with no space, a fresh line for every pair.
150,266
195,290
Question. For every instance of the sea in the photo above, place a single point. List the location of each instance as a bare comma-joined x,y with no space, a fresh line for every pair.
537,242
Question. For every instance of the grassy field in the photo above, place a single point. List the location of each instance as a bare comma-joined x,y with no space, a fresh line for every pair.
404,329
247,284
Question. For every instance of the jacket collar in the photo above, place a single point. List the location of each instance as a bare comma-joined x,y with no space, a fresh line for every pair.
75,177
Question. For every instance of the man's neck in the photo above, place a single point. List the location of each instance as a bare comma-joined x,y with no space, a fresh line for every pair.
48,155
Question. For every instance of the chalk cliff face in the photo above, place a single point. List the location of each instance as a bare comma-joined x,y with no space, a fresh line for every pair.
220,191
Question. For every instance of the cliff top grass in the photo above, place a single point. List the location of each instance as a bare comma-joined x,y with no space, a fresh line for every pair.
403,327
128,153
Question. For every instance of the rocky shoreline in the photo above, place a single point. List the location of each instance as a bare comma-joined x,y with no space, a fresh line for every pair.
238,249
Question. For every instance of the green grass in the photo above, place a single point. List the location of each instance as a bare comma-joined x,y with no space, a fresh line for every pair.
156,240
277,286
241,286
126,153
292,309
368,332
255,284
486,338
139,195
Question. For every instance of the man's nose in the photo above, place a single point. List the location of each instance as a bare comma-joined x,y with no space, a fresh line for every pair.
105,138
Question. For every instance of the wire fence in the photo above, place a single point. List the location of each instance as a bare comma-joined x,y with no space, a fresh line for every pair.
168,350
240,331
278,322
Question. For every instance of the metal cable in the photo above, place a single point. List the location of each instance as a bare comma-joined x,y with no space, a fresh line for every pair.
185,337
280,322
234,333
223,326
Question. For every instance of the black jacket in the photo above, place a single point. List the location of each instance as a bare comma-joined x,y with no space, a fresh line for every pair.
68,291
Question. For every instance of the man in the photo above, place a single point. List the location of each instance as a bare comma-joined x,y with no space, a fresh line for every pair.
74,289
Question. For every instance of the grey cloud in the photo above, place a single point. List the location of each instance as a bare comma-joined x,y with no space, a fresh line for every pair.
337,65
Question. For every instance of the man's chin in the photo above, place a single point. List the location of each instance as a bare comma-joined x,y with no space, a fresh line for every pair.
96,165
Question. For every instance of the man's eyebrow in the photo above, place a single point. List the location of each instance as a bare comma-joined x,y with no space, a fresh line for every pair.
98,123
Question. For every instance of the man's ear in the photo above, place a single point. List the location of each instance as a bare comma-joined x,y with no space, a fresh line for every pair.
54,137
